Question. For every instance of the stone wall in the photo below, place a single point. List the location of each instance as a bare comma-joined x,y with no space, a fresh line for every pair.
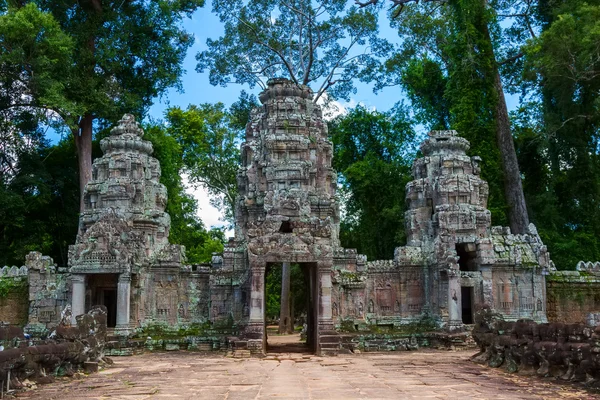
14,306
574,296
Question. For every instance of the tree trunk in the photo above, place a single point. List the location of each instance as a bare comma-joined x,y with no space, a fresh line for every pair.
285,322
513,188
518,219
83,142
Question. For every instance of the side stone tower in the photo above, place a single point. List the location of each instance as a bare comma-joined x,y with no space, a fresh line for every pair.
124,227
460,261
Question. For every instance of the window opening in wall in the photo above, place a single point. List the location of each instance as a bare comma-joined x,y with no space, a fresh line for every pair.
466,256
286,227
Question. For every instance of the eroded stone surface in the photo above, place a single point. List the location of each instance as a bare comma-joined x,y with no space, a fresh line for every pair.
418,375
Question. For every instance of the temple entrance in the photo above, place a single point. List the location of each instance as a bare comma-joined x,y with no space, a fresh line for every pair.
297,331
467,304
102,290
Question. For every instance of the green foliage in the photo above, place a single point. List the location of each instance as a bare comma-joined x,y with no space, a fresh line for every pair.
33,54
19,288
310,42
39,204
186,228
125,54
208,136
446,64
372,153
558,132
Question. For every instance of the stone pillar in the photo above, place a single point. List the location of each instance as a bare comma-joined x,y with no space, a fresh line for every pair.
255,331
77,296
454,298
328,341
123,303
486,282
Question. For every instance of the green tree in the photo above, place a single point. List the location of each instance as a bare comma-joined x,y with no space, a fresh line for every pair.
371,153
313,43
33,54
186,228
125,54
209,136
39,205
210,150
558,131
448,64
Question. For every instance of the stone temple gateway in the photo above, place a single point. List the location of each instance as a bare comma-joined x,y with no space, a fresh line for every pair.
454,262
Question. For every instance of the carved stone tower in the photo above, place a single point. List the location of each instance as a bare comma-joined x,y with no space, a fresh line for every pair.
461,261
286,210
124,226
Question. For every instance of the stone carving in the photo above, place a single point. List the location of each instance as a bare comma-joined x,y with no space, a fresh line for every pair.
124,223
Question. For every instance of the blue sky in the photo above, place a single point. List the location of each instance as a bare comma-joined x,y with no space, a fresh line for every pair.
197,89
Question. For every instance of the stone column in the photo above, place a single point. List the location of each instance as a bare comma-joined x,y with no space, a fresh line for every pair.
123,303
77,296
255,331
454,298
486,282
328,341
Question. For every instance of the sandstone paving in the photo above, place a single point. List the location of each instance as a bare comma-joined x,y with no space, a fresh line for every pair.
424,374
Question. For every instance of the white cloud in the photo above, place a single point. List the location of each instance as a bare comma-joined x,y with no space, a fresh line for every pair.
210,216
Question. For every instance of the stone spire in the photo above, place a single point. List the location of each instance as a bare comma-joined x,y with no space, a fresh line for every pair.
447,196
124,220
286,183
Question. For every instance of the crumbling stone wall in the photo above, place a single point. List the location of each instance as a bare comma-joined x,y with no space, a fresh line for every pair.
48,294
574,296
565,351
68,348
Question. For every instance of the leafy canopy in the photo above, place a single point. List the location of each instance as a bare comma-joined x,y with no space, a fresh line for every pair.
323,44
372,153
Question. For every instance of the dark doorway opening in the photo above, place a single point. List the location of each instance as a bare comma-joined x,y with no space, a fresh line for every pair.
110,301
467,304
303,305
467,255
102,290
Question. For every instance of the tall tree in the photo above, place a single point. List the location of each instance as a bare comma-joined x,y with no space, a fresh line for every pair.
371,154
323,44
459,35
126,53
558,130
286,325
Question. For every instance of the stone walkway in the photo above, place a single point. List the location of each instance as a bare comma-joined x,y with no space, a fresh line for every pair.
424,374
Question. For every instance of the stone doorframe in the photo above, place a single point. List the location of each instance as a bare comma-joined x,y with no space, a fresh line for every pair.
79,284
324,326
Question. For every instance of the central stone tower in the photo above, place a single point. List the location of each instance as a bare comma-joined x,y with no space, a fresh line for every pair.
286,209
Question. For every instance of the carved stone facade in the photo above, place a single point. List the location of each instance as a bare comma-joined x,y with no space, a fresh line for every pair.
454,261
287,212
122,258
